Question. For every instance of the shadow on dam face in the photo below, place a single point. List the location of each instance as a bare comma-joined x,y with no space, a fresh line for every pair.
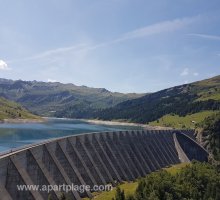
190,148
92,159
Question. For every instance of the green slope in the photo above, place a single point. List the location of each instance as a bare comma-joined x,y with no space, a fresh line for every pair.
61,100
208,134
188,121
128,187
178,102
208,89
195,181
12,110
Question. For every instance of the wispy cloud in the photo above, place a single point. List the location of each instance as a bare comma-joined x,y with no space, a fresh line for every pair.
185,72
195,74
59,51
3,65
205,36
157,28
161,27
52,53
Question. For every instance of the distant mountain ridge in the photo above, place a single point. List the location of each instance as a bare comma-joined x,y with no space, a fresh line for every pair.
169,107
180,100
61,100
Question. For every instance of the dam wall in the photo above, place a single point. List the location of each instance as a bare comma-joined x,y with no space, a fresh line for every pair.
93,159
195,151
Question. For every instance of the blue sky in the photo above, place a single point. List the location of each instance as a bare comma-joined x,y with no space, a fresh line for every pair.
121,45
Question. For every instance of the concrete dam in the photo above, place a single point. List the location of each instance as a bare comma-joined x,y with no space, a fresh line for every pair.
93,159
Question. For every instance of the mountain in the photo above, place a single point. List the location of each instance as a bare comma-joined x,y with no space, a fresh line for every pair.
12,110
61,100
181,103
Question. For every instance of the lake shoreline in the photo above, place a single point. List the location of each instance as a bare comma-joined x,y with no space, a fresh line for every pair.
116,123
91,121
22,121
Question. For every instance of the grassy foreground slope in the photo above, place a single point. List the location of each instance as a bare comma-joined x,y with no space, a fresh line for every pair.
12,110
196,181
129,188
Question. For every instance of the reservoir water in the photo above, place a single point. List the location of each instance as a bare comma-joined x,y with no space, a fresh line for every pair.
14,135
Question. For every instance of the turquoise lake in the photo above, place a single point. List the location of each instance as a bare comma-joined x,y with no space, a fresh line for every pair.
17,135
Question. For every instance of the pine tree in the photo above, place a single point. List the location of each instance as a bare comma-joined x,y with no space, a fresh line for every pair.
120,195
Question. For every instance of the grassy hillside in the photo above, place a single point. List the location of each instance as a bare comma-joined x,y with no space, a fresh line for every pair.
188,121
61,100
208,89
176,106
11,110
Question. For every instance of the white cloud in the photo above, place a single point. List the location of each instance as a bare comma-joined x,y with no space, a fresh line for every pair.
186,82
195,74
205,36
51,80
185,72
3,65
